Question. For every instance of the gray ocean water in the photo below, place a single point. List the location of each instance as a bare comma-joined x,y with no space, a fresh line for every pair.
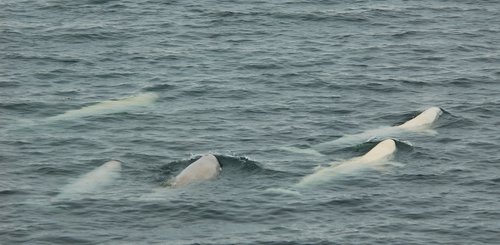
247,80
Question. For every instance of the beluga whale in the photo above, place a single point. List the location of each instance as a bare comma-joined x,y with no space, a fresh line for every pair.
94,180
205,168
378,156
422,123
107,107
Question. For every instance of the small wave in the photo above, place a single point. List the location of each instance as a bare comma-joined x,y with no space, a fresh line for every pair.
100,1
54,59
347,202
159,87
420,177
320,16
52,171
9,84
10,192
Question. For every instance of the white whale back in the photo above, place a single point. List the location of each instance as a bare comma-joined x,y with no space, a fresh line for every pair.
380,154
95,179
205,168
422,123
424,120
382,151
110,106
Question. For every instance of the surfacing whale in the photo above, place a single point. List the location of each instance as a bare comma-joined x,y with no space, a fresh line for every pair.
422,123
379,155
205,168
424,120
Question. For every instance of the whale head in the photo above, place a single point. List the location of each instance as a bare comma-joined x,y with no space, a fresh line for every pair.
205,168
112,165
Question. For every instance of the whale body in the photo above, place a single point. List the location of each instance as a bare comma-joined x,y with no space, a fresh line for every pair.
94,180
205,168
381,154
106,107
422,123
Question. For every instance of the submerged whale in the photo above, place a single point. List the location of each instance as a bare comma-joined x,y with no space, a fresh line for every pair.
205,168
94,180
381,154
106,107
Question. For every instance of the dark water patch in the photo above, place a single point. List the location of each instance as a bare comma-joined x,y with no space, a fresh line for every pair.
26,107
484,59
35,58
100,1
449,119
52,171
115,75
320,16
185,208
462,82
12,192
406,34
235,93
396,118
159,85
495,180
427,179
9,84
91,35
346,202
403,147
74,141
239,164
45,76
380,86
484,183
263,65
448,140
64,239
482,144
135,158
283,241
434,58
424,50
197,91
67,94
